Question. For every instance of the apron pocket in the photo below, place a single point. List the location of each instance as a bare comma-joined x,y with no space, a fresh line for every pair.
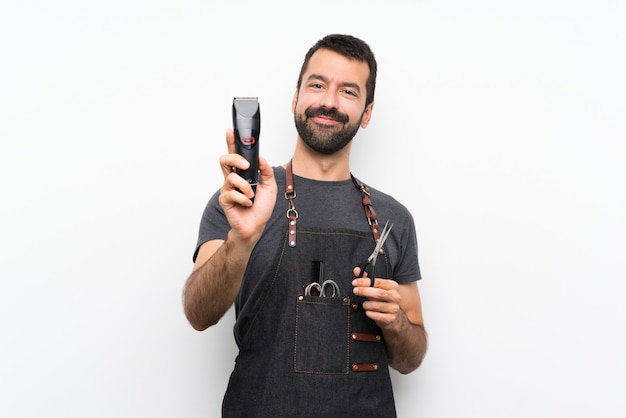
322,335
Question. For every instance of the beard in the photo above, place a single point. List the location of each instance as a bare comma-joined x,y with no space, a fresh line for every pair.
322,138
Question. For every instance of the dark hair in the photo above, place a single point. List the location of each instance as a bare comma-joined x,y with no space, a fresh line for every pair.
350,47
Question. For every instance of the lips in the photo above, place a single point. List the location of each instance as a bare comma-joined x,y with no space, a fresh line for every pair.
324,120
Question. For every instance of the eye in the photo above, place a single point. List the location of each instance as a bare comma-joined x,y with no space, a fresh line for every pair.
349,92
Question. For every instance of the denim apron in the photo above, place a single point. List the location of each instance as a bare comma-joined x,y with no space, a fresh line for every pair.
313,356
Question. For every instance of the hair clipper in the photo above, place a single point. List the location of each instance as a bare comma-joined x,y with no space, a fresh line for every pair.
247,127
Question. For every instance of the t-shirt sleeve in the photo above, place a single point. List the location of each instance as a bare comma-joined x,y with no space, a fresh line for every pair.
407,270
213,224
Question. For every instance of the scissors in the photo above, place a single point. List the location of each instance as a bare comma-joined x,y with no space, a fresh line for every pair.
316,289
321,287
371,260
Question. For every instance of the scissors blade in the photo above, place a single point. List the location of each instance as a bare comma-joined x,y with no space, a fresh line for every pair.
381,241
371,260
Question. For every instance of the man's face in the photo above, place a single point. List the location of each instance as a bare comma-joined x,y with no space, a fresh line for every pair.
329,108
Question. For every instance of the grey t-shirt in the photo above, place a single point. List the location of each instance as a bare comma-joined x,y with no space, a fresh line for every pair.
325,206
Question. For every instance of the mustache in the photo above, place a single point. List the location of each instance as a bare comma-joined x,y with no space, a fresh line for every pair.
329,113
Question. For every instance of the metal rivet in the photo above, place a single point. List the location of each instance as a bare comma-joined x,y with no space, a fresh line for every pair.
300,297
378,338
292,243
355,367
353,336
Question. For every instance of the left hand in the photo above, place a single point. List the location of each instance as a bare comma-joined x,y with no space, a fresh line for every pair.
383,300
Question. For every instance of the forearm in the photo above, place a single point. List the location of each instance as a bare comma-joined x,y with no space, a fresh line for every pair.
212,288
406,344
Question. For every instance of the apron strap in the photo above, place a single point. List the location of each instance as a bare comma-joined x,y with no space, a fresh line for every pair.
292,213
370,213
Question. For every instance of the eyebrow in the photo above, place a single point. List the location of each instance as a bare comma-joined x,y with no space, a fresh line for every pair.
349,84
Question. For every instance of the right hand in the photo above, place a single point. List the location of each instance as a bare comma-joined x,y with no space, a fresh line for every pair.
246,219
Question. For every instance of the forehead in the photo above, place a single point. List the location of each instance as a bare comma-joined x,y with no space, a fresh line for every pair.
334,66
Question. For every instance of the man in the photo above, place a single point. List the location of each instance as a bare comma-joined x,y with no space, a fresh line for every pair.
303,353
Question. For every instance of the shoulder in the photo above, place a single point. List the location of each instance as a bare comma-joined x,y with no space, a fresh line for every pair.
387,205
279,171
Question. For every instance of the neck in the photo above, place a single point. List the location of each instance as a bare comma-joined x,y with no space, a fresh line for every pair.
315,166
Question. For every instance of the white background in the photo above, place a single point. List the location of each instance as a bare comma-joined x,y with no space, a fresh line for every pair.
500,124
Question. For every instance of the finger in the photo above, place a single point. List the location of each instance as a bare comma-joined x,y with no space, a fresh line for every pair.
361,281
361,287
381,305
382,319
267,173
230,141
386,284
230,197
234,182
360,271
383,289
231,162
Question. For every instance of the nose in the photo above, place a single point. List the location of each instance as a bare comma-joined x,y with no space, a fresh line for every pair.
329,99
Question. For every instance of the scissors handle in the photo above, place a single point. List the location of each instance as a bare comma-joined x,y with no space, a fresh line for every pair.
332,285
363,267
313,289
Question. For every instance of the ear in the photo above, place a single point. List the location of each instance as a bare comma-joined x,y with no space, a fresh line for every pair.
367,115
294,101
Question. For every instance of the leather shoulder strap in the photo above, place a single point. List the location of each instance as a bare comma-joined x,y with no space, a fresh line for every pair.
292,213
